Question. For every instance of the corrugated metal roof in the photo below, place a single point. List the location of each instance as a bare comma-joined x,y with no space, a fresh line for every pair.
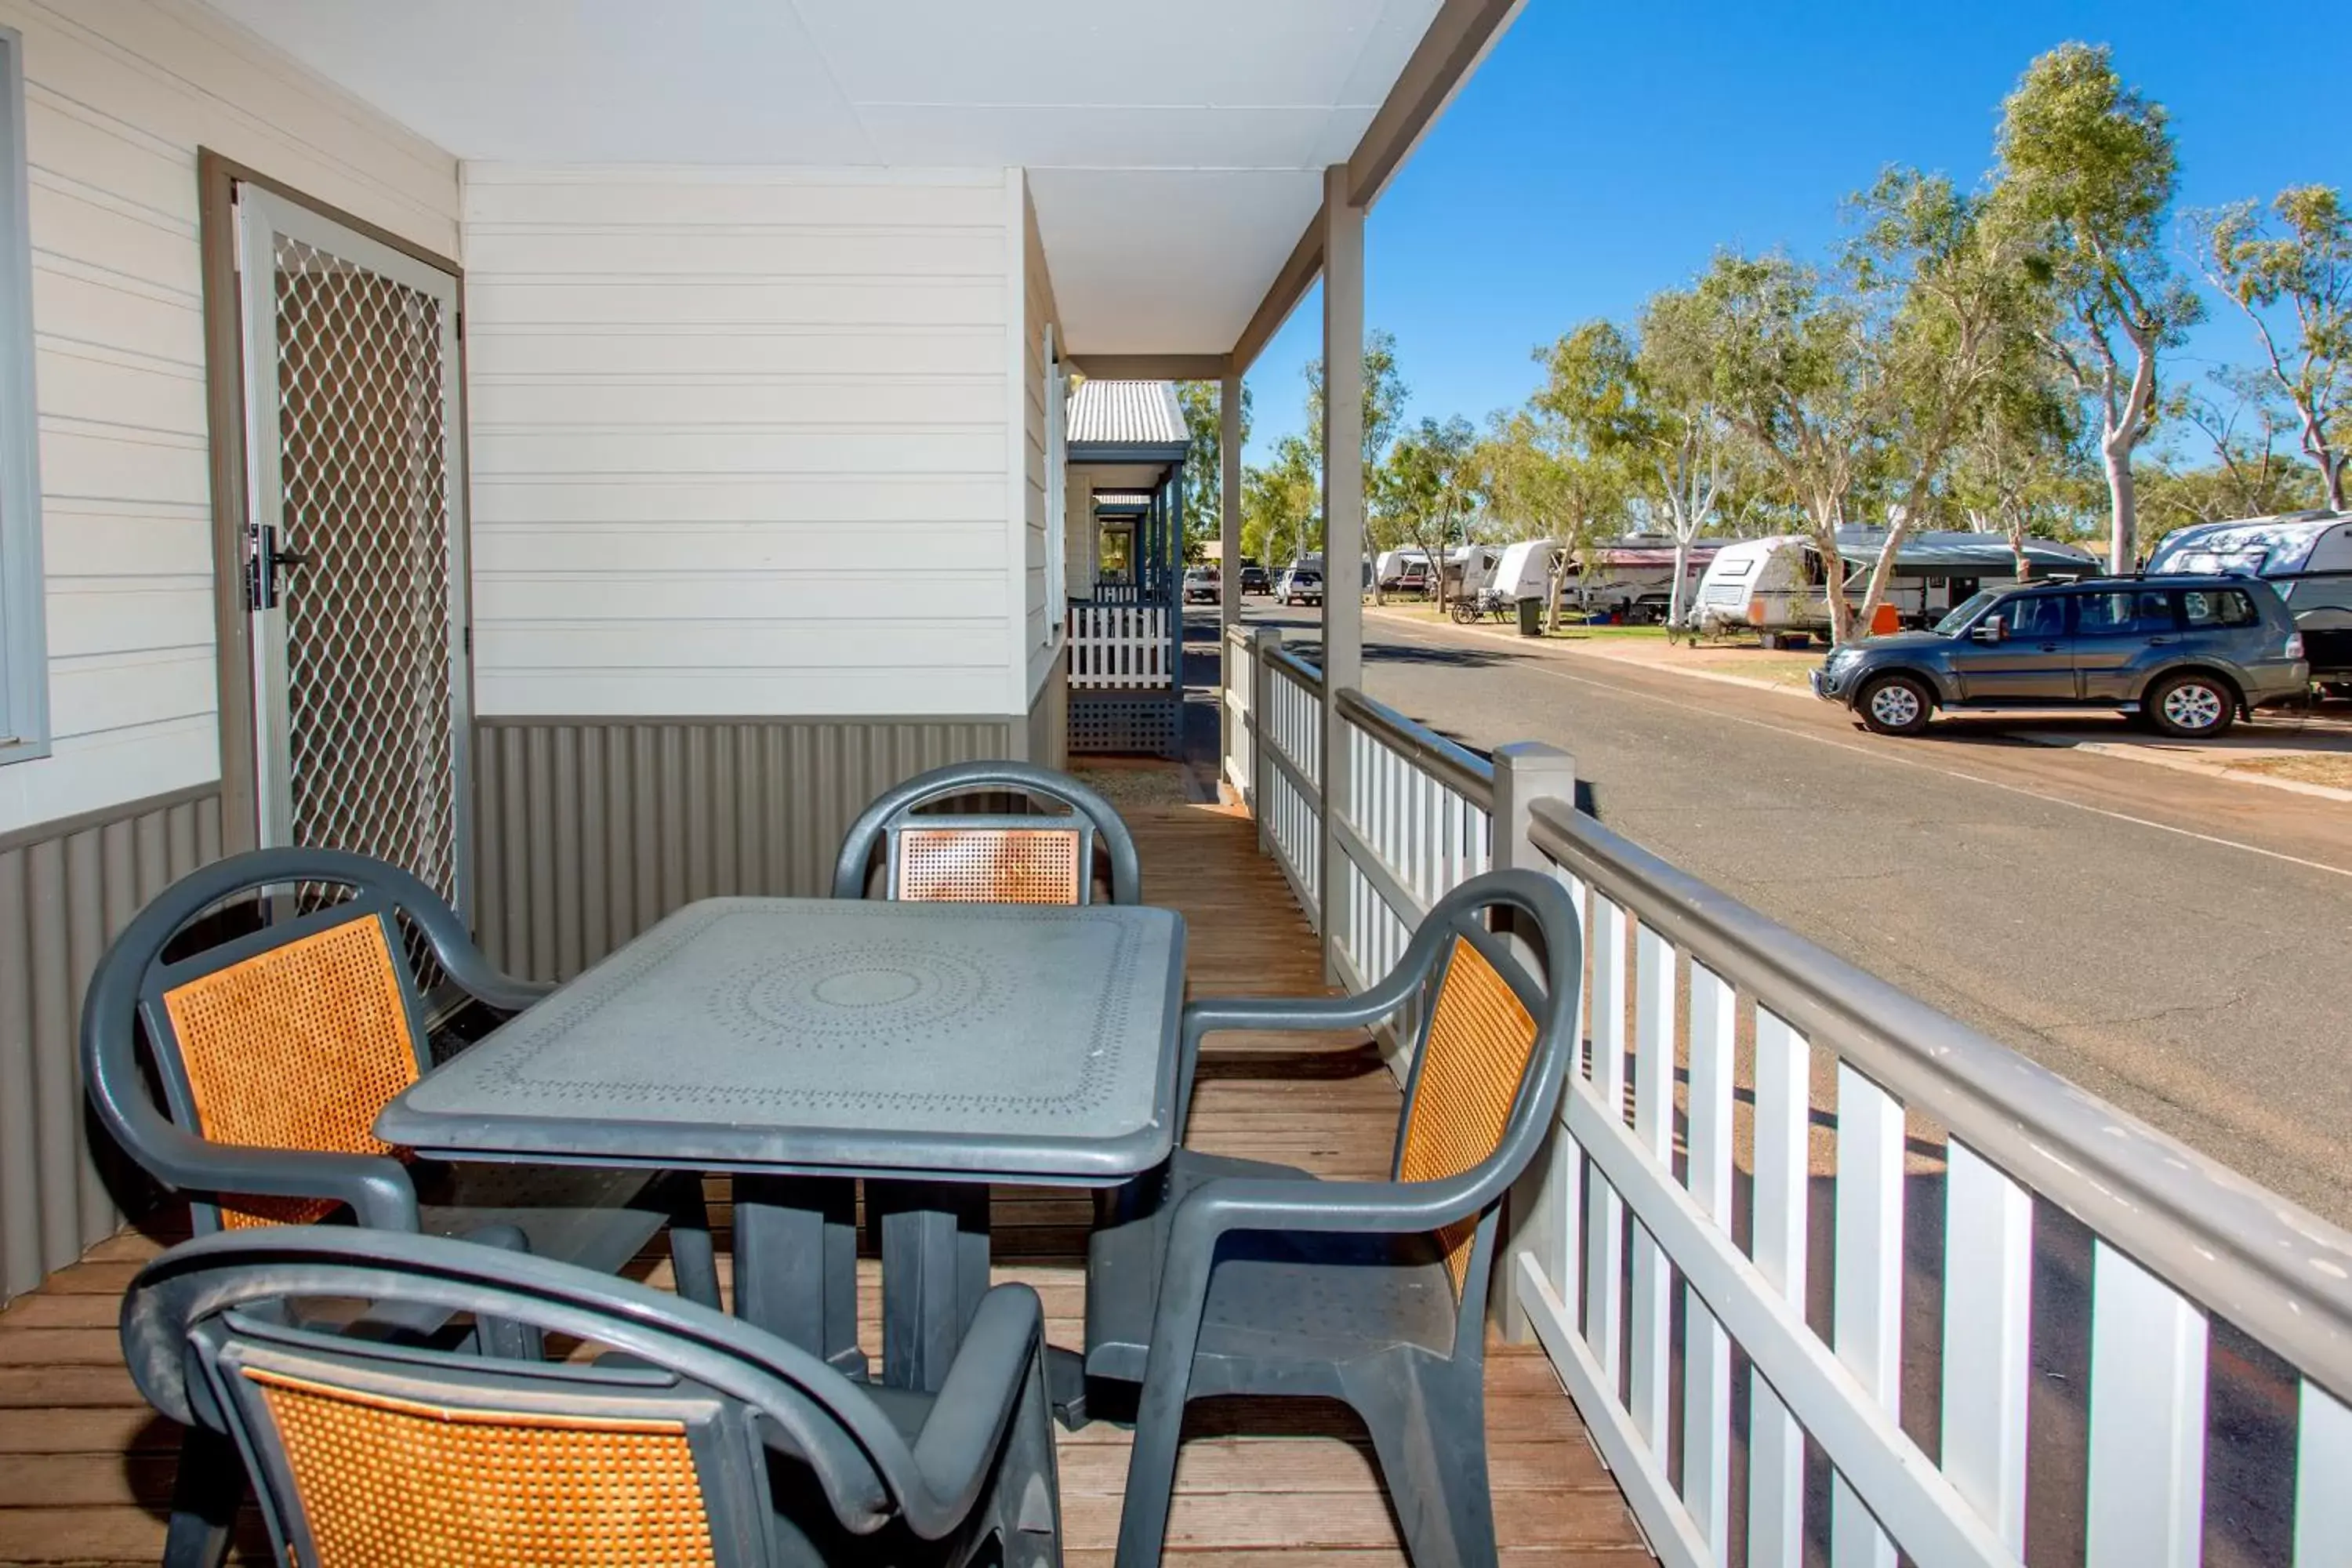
1127,414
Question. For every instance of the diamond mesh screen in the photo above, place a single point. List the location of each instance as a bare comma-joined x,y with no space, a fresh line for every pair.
364,467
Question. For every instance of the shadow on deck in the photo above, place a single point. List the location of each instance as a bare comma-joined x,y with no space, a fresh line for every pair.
86,1467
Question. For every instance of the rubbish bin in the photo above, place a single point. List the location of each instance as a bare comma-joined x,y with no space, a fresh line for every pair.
1531,618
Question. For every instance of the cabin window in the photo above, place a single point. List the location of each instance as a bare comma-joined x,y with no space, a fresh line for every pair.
24,643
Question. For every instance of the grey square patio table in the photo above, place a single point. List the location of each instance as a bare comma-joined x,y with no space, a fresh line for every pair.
932,1049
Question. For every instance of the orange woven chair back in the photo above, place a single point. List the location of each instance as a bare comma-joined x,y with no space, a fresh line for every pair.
297,1048
388,1482
1480,1037
990,865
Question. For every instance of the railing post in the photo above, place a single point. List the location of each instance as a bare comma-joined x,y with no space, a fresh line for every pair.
1534,1218
1525,772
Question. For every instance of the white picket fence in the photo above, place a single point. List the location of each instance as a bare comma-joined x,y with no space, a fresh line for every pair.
1120,648
1748,1113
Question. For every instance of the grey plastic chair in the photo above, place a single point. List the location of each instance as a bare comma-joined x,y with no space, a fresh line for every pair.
1252,1278
1036,857
694,1436
275,1047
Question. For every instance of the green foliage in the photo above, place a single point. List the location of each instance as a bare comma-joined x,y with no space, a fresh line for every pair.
2309,268
1426,489
1282,505
2087,172
1384,398
1203,463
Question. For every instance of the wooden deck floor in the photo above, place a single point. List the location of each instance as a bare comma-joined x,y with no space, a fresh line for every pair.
85,1467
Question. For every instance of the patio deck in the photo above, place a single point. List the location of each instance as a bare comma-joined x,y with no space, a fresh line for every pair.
85,1467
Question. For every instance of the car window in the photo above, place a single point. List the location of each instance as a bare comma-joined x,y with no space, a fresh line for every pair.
1962,614
2134,612
2040,616
2219,607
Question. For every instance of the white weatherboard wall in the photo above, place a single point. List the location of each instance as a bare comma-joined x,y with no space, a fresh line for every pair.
119,96
741,440
1041,624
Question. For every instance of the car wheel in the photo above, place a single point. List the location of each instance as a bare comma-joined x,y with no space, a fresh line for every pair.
2191,707
1895,705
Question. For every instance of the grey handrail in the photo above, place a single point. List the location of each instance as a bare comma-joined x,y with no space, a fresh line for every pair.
1299,670
2244,1253
1458,768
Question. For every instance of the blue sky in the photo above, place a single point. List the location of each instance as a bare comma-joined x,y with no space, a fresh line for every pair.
1604,152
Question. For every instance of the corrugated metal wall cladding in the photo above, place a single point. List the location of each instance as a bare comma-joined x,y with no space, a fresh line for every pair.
62,899
587,833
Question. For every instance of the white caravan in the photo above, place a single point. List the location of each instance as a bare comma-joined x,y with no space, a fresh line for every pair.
2306,556
1779,584
1524,571
1634,575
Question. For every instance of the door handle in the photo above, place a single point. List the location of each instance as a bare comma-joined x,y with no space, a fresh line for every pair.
2159,642
2051,646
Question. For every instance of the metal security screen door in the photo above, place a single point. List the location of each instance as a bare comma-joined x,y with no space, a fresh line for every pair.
355,571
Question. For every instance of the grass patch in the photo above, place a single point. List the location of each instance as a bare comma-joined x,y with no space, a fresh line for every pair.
2330,768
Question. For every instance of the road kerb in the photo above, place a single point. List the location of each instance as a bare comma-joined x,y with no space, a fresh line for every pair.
2156,758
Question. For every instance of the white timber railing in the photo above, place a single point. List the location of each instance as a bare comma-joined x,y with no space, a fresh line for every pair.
1120,648
1287,765
1237,680
1416,827
1829,1274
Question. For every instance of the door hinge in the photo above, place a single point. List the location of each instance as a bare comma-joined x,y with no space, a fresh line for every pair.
469,642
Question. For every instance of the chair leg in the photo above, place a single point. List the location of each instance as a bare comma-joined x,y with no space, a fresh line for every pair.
1151,1469
1028,1509
1429,1433
694,1257
205,1497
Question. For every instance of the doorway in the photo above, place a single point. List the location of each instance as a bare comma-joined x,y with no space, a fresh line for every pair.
348,560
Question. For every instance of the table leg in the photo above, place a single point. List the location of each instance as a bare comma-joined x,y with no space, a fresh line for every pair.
934,1272
796,1263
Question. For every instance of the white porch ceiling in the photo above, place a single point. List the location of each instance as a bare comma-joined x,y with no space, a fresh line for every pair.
1174,152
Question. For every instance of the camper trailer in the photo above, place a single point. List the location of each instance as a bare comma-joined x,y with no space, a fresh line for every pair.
1402,571
1634,575
1523,570
2306,556
1777,586
1470,568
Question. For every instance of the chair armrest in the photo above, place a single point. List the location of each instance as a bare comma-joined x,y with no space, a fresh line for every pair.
376,1186
983,1390
1290,1014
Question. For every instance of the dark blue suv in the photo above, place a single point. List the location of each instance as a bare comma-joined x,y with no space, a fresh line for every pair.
2185,653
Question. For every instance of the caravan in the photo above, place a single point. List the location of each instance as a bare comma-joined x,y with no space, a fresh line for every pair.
1778,584
1633,576
2306,556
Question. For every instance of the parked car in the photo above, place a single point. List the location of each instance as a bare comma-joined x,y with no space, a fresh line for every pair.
1300,586
2185,653
1255,580
1201,585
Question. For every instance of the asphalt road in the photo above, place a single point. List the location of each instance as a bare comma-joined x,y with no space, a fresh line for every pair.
2177,944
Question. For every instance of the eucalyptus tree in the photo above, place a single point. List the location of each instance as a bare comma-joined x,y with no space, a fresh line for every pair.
1203,403
2020,466
1954,320
2087,168
1428,487
1625,406
2307,269
1782,355
1281,502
